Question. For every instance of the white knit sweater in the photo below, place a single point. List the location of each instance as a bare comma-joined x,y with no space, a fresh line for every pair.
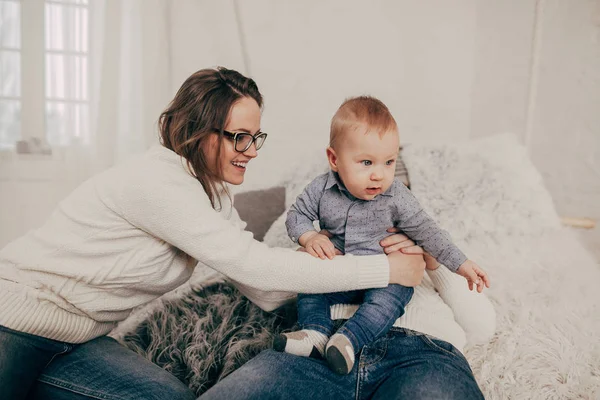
133,233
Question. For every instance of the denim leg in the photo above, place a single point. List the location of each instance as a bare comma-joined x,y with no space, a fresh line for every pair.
22,359
274,375
409,365
314,310
104,369
401,365
376,315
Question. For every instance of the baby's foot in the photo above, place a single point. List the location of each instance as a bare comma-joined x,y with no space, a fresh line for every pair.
306,343
340,354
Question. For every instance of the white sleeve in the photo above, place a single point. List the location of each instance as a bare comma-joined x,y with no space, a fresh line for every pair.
174,207
268,301
473,311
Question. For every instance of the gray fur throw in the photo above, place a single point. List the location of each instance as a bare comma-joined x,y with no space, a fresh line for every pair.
204,335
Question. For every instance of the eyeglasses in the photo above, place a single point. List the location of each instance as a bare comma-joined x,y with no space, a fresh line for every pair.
244,140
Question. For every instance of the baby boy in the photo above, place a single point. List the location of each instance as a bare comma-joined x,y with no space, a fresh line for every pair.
356,201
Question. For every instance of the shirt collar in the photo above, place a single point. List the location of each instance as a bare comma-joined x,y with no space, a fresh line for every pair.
393,189
333,179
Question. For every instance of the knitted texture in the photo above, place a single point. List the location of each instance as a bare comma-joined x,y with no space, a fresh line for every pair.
134,232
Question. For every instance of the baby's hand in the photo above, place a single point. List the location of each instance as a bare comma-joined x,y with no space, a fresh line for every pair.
474,275
318,245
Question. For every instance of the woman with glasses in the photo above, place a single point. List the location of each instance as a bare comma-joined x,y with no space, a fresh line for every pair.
134,232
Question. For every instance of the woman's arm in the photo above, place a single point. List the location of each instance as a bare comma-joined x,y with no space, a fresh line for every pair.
267,301
473,311
175,208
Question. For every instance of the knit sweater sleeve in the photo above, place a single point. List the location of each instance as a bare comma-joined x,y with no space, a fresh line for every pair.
171,205
473,311
266,300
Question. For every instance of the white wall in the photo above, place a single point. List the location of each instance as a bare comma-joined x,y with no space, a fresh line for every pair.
564,139
448,71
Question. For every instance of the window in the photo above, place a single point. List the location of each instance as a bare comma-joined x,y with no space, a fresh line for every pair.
44,71
10,78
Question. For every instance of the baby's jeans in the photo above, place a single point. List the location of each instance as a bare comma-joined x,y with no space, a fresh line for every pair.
379,309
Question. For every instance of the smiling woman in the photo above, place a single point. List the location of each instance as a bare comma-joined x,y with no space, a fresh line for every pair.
208,104
135,232
244,118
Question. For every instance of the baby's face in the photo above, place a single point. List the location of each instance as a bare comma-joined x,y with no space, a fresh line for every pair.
366,162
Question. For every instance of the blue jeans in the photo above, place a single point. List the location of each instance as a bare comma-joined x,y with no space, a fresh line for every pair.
379,309
34,367
404,364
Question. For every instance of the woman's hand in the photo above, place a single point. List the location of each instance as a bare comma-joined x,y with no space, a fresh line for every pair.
399,242
406,270
406,259
430,262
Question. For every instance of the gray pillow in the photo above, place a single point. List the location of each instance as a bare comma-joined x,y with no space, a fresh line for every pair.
260,208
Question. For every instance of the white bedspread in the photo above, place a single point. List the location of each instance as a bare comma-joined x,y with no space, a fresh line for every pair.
492,200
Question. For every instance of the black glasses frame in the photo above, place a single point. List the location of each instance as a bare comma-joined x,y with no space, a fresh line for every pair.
235,136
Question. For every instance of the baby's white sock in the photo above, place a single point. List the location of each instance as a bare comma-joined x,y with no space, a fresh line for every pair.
306,342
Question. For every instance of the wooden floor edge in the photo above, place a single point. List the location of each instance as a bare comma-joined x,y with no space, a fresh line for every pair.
585,223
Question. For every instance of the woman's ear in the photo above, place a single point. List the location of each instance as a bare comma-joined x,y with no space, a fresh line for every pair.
332,158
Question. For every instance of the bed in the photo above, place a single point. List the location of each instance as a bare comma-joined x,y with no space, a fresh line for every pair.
490,197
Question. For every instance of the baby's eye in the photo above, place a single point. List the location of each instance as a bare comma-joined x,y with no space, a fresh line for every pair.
389,162
366,162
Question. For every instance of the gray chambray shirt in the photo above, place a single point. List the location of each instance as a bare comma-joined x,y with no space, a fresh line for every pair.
359,225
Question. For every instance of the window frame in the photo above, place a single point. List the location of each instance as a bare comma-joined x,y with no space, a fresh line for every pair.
33,53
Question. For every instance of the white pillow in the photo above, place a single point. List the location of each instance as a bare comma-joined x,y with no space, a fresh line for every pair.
481,187
302,176
277,235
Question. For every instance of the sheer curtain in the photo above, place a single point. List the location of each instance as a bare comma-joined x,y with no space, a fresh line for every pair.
130,78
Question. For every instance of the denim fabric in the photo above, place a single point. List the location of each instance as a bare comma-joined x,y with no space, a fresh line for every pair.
404,364
23,357
379,309
33,367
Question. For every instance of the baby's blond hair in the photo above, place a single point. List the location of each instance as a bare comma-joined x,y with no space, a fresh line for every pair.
361,114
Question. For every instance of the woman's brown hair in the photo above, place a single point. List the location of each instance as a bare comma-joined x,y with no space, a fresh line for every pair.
200,108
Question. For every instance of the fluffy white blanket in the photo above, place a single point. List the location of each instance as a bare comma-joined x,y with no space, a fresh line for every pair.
492,200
